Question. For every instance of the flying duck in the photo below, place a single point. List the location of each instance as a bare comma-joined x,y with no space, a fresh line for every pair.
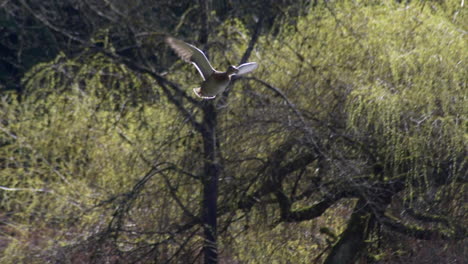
215,82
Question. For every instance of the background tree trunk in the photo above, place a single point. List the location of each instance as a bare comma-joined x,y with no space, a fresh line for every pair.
351,242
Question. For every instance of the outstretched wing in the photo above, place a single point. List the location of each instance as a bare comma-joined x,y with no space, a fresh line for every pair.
246,67
190,53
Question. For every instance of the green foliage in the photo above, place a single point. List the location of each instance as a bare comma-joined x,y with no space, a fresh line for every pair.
400,70
77,139
395,75
389,77
413,90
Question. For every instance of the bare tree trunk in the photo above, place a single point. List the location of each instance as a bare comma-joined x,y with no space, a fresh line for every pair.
211,168
211,171
204,11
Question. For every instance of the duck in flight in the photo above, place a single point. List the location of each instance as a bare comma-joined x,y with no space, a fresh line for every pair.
215,82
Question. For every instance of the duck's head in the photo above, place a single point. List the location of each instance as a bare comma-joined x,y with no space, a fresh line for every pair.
232,70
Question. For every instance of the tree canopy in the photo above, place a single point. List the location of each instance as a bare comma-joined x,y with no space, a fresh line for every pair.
347,145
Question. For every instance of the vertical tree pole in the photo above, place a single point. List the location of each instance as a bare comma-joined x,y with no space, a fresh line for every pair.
211,168
210,178
204,11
